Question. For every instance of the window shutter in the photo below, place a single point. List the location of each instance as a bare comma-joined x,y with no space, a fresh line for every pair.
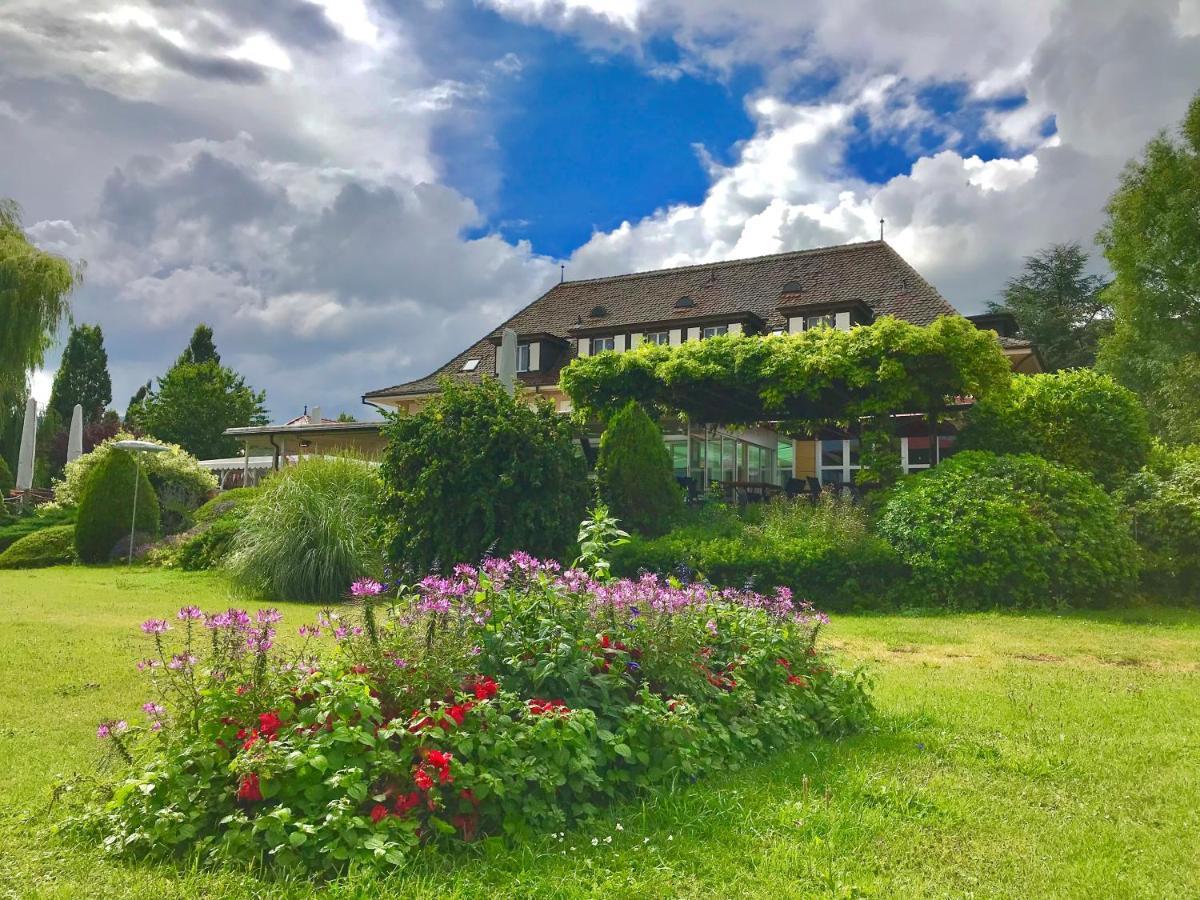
676,337
635,340
693,334
535,356
585,347
619,343
842,322
796,324
735,327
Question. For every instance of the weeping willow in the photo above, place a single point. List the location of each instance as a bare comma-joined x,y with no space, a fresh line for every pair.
35,289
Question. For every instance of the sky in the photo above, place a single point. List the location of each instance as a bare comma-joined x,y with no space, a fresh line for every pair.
352,191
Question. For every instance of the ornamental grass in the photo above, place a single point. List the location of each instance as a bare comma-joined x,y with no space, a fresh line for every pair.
504,700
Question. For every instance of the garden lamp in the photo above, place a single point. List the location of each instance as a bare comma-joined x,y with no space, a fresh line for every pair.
135,447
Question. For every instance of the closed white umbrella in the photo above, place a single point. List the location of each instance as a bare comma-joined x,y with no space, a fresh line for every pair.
136,447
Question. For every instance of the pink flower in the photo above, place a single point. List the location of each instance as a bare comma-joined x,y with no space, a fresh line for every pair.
366,587
155,626
189,612
268,616
153,709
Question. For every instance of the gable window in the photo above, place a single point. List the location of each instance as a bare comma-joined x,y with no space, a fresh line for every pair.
600,344
829,320
470,365
522,357
713,331
661,338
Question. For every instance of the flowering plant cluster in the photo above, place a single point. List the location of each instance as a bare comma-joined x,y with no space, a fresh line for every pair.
508,698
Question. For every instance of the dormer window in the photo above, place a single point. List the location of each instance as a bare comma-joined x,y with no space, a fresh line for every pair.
470,365
792,287
661,338
600,344
685,303
598,312
522,357
829,320
713,331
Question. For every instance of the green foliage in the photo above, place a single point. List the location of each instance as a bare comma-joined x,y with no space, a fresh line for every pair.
227,503
599,535
1164,501
824,552
214,536
201,348
818,376
54,546
34,291
981,530
106,507
82,376
179,482
7,481
1058,306
1150,242
194,403
310,532
478,471
1076,417
42,517
635,474
507,701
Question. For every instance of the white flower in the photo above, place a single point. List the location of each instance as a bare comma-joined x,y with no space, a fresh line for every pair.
645,840
595,841
619,828
670,837
608,840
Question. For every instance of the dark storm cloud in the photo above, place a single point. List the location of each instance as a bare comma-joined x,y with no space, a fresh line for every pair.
202,65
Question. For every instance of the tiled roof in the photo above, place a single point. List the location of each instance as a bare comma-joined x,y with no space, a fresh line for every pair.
871,272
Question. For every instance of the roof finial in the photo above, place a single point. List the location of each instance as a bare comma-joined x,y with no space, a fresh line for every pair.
881,229
562,272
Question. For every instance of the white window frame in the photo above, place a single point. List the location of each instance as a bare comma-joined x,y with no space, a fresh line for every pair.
846,468
470,365
825,320
712,331
523,352
659,338
602,344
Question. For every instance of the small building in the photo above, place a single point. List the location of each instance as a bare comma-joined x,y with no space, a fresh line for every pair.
832,287
270,447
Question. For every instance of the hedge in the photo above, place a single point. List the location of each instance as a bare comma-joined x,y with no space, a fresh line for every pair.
106,507
46,547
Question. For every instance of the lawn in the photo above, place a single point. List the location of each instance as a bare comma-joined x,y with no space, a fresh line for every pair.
1014,756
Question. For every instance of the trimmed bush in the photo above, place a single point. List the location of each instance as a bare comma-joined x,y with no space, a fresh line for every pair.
635,473
48,547
42,517
509,700
310,532
214,535
1076,417
478,472
106,507
982,530
179,482
1164,501
232,502
824,553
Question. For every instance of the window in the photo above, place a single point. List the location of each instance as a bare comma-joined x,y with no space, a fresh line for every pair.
600,344
785,455
828,320
470,365
522,357
916,452
662,338
713,331
837,460
679,457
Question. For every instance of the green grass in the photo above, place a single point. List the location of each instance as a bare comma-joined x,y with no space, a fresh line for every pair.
1015,756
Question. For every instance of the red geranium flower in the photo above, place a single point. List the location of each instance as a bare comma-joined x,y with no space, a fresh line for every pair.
783,662
484,687
422,779
797,679
248,789
406,802
378,813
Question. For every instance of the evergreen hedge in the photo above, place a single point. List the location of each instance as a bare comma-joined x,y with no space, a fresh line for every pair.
47,547
106,507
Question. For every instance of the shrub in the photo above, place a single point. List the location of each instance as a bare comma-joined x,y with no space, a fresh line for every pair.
983,530
477,471
510,699
47,547
1164,501
106,507
213,537
42,517
232,502
7,482
825,553
635,474
1076,417
310,532
179,482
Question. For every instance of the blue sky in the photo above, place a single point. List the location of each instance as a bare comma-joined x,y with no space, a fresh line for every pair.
351,191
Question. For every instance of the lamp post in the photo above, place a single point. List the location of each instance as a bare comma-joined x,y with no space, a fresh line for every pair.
135,447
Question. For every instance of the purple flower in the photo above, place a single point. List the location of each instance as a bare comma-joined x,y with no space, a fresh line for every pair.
153,709
189,612
102,731
155,626
711,625
268,616
400,663
366,587
310,631
181,660
156,725
475,651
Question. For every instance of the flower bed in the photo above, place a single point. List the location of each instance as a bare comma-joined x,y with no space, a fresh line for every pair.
505,700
